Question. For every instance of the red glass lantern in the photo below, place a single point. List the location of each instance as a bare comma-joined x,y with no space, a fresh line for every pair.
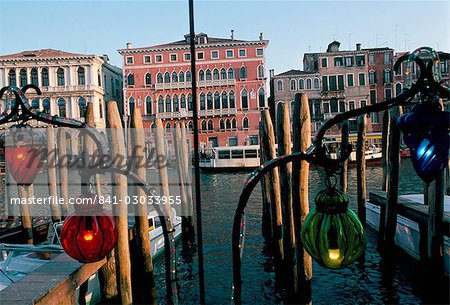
91,237
23,153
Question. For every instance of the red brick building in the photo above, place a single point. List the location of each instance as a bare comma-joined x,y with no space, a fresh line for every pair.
231,86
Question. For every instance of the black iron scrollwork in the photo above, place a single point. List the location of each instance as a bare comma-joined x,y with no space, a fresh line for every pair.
426,84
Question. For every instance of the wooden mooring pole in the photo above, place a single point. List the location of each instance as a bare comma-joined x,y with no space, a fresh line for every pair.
27,223
147,292
63,169
189,217
284,148
51,172
389,225
344,171
361,168
385,148
107,273
267,138
117,148
300,186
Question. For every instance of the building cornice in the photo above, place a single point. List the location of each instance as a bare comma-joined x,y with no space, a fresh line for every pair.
263,43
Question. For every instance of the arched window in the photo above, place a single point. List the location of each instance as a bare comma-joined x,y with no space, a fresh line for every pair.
44,77
232,102
201,75
34,77
244,99
148,105
190,105
60,76
221,124
243,73
23,77
35,103
308,84
131,104
216,74
210,125
148,79
202,101
167,77
176,104
293,85
301,84
81,76
387,76
316,83
159,78
12,77
260,71
174,77
168,104
183,101
190,126
62,107
233,123
209,101
228,124
160,104
261,98
224,100
46,105
188,76
99,78
398,89
181,77
216,100
279,85
82,106
230,73
223,73
204,127
208,74
372,77
245,123
130,79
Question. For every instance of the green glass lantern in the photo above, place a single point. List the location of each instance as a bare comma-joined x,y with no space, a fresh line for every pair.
332,233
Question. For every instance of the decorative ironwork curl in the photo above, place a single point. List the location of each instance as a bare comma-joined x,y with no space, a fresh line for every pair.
425,84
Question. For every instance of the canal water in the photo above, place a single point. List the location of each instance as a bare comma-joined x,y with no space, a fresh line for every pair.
365,282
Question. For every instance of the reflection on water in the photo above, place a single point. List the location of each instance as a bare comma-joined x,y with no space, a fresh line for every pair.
361,283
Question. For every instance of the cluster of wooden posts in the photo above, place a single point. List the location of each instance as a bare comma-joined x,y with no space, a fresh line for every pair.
125,276
286,202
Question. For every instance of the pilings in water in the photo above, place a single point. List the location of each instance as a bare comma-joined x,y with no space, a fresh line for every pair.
388,217
120,190
301,120
51,172
284,148
361,168
267,138
146,290
63,166
385,148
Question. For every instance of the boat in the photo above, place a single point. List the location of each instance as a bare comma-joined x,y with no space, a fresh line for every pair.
229,158
407,234
18,260
405,153
11,231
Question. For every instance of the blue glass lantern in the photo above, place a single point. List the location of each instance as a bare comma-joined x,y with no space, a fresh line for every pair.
426,133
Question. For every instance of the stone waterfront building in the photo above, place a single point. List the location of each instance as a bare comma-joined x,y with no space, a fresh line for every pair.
67,81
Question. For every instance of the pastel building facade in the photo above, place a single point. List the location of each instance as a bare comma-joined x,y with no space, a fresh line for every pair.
68,81
231,86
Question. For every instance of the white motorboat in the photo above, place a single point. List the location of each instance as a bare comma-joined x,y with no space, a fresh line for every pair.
407,235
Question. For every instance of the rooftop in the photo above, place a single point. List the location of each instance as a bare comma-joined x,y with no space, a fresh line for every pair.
295,72
44,53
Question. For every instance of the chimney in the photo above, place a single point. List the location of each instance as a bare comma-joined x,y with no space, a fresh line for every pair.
129,45
358,47
261,36
271,73
232,34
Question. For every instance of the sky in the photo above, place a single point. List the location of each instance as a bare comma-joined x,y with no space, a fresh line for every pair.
292,27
